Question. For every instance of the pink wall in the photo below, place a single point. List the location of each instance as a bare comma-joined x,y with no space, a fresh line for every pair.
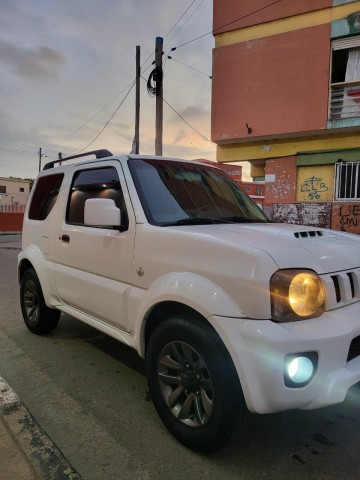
226,11
277,85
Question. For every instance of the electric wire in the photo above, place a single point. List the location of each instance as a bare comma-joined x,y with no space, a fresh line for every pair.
187,123
182,16
130,85
171,29
226,25
185,22
19,143
190,67
12,150
111,117
89,120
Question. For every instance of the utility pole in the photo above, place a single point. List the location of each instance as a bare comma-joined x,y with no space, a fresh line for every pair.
40,157
137,101
159,95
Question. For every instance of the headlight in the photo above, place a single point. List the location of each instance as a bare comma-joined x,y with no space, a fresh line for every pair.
296,295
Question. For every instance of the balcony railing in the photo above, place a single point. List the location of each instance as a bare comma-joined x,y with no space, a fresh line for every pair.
345,100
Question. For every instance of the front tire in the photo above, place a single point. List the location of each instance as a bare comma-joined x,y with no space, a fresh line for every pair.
193,384
38,317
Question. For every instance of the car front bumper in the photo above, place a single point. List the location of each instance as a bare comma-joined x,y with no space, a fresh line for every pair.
259,348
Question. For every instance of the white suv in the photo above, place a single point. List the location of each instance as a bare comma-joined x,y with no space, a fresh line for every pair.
231,312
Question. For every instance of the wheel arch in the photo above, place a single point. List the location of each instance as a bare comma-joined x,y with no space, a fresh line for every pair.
175,293
24,265
165,310
33,258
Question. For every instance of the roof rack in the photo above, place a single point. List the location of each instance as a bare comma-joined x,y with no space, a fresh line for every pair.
98,154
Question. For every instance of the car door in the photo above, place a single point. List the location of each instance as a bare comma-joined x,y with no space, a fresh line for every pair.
94,265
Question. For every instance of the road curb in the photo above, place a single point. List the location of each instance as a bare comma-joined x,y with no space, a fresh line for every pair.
41,454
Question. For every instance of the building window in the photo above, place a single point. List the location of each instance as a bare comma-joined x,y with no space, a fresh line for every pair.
21,189
259,191
2,189
345,78
347,186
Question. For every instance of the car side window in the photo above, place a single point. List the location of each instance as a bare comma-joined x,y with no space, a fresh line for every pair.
94,183
45,196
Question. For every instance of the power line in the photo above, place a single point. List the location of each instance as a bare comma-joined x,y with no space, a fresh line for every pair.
197,8
12,150
189,66
111,117
187,123
89,120
182,16
15,141
171,29
227,24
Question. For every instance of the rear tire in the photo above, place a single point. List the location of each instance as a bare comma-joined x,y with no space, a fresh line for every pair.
38,317
193,384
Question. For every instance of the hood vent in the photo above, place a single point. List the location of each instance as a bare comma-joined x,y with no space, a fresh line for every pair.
308,234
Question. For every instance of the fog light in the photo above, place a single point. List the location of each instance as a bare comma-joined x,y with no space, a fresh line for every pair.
300,369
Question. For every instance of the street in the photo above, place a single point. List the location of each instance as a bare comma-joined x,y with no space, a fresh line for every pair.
89,394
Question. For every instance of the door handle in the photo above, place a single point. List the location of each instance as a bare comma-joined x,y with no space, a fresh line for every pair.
65,238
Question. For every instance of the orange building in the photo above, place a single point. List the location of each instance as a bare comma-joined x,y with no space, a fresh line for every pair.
286,98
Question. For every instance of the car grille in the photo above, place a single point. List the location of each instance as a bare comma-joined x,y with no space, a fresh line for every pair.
342,288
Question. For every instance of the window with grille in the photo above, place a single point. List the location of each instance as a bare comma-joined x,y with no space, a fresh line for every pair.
347,186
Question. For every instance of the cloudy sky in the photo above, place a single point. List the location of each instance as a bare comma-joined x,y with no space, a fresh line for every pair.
66,66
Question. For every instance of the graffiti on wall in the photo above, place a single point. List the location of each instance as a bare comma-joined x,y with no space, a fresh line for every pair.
349,217
314,186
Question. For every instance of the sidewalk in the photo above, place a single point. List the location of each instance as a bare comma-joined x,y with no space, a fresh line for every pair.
26,452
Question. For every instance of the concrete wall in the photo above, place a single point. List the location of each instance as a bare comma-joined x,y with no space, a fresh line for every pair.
280,176
11,222
285,77
342,216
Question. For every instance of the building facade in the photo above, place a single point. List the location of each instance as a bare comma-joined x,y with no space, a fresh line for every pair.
286,98
14,193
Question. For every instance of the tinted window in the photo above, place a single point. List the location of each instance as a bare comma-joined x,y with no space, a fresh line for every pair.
175,192
45,196
94,183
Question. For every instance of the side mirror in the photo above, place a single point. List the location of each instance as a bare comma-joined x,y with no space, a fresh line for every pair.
102,212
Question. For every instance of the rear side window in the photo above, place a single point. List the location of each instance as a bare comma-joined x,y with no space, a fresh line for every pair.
45,196
94,183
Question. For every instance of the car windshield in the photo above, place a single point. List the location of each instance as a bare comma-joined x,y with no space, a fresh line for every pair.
185,193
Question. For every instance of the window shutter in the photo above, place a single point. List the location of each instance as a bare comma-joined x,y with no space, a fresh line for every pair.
347,42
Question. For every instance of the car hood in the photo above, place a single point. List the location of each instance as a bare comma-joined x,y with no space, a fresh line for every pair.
290,246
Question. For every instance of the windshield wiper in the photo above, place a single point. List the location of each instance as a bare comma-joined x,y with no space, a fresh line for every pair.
238,219
195,221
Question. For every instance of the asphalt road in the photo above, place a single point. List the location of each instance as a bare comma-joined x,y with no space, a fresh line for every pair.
89,394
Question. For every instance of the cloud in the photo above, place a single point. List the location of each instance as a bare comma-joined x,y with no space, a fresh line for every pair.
40,63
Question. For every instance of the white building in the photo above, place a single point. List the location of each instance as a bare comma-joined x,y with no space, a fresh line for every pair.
14,193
